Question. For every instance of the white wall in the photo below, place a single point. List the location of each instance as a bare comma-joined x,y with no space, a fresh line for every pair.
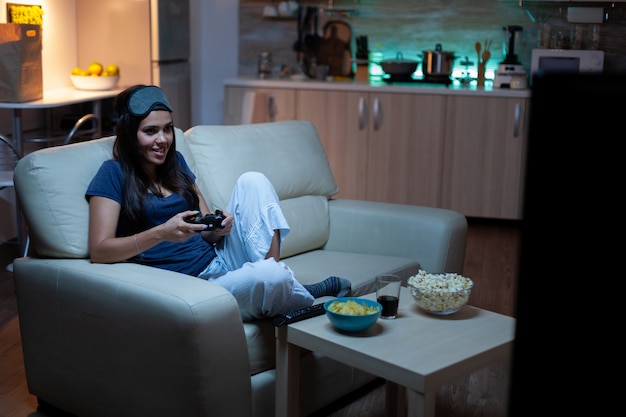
58,40
115,32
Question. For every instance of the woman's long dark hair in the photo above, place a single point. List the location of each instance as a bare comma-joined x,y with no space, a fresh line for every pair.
136,182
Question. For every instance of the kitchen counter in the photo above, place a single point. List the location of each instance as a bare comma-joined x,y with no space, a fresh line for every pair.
455,89
56,98
61,97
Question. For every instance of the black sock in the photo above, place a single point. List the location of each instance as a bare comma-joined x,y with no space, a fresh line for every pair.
333,286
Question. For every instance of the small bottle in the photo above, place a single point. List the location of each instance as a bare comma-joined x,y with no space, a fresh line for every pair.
265,65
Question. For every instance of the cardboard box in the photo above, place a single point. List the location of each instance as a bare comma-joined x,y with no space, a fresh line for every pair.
21,74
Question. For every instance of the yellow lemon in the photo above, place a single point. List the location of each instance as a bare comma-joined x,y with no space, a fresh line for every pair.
78,71
95,68
112,70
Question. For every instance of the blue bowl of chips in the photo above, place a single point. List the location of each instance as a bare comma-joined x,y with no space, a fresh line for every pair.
352,314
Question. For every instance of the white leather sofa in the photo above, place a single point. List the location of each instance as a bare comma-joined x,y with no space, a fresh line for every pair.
129,340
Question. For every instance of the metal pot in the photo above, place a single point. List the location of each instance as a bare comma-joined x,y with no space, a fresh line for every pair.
399,66
437,63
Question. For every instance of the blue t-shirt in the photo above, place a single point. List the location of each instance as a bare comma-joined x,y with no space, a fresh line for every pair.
189,257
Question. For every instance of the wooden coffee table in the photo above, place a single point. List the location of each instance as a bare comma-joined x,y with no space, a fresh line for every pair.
417,350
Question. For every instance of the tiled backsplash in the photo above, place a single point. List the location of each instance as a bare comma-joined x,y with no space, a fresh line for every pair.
412,27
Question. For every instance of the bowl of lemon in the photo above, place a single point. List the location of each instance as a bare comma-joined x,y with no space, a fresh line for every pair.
96,77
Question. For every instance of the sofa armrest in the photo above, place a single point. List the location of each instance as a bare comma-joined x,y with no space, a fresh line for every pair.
435,237
126,339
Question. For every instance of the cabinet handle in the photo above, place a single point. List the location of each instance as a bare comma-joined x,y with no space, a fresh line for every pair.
378,113
516,119
271,102
362,113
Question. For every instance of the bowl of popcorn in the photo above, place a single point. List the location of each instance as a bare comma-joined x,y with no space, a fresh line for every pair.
352,314
440,293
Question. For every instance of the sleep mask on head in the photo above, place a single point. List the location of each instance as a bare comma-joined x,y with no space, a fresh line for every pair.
146,99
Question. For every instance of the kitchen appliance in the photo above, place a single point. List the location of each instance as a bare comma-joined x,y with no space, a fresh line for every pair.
566,61
510,73
437,63
399,67
169,34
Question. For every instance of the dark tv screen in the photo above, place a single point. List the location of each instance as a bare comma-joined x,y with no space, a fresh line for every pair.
572,246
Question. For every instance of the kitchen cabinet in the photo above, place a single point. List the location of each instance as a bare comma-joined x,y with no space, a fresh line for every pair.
448,147
381,146
484,156
256,105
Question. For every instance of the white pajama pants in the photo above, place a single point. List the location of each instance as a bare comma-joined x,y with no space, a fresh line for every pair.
262,287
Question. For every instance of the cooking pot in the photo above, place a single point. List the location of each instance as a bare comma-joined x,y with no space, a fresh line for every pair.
437,63
399,66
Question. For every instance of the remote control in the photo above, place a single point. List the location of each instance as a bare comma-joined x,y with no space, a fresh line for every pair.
298,315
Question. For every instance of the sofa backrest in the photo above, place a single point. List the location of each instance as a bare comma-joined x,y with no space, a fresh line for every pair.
289,153
51,183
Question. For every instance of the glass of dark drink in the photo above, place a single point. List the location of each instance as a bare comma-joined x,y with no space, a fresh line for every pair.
388,294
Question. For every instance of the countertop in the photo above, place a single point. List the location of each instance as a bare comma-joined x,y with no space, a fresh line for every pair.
379,86
61,97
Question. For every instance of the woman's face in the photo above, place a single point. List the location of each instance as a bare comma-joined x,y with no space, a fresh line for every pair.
155,135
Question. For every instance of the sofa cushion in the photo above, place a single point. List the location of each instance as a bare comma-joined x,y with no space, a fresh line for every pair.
310,214
360,268
289,153
312,267
56,211
58,217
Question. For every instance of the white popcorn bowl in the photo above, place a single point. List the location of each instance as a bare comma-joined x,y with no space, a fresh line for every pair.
440,294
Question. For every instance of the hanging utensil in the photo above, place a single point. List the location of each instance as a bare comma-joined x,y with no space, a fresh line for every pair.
478,48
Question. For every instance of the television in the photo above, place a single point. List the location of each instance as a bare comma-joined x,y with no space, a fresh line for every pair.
571,250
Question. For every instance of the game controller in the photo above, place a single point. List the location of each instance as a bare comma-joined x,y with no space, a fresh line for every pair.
212,221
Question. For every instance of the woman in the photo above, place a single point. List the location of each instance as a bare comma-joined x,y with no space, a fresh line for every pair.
138,203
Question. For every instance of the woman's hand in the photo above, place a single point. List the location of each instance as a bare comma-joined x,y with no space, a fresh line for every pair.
177,229
214,236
